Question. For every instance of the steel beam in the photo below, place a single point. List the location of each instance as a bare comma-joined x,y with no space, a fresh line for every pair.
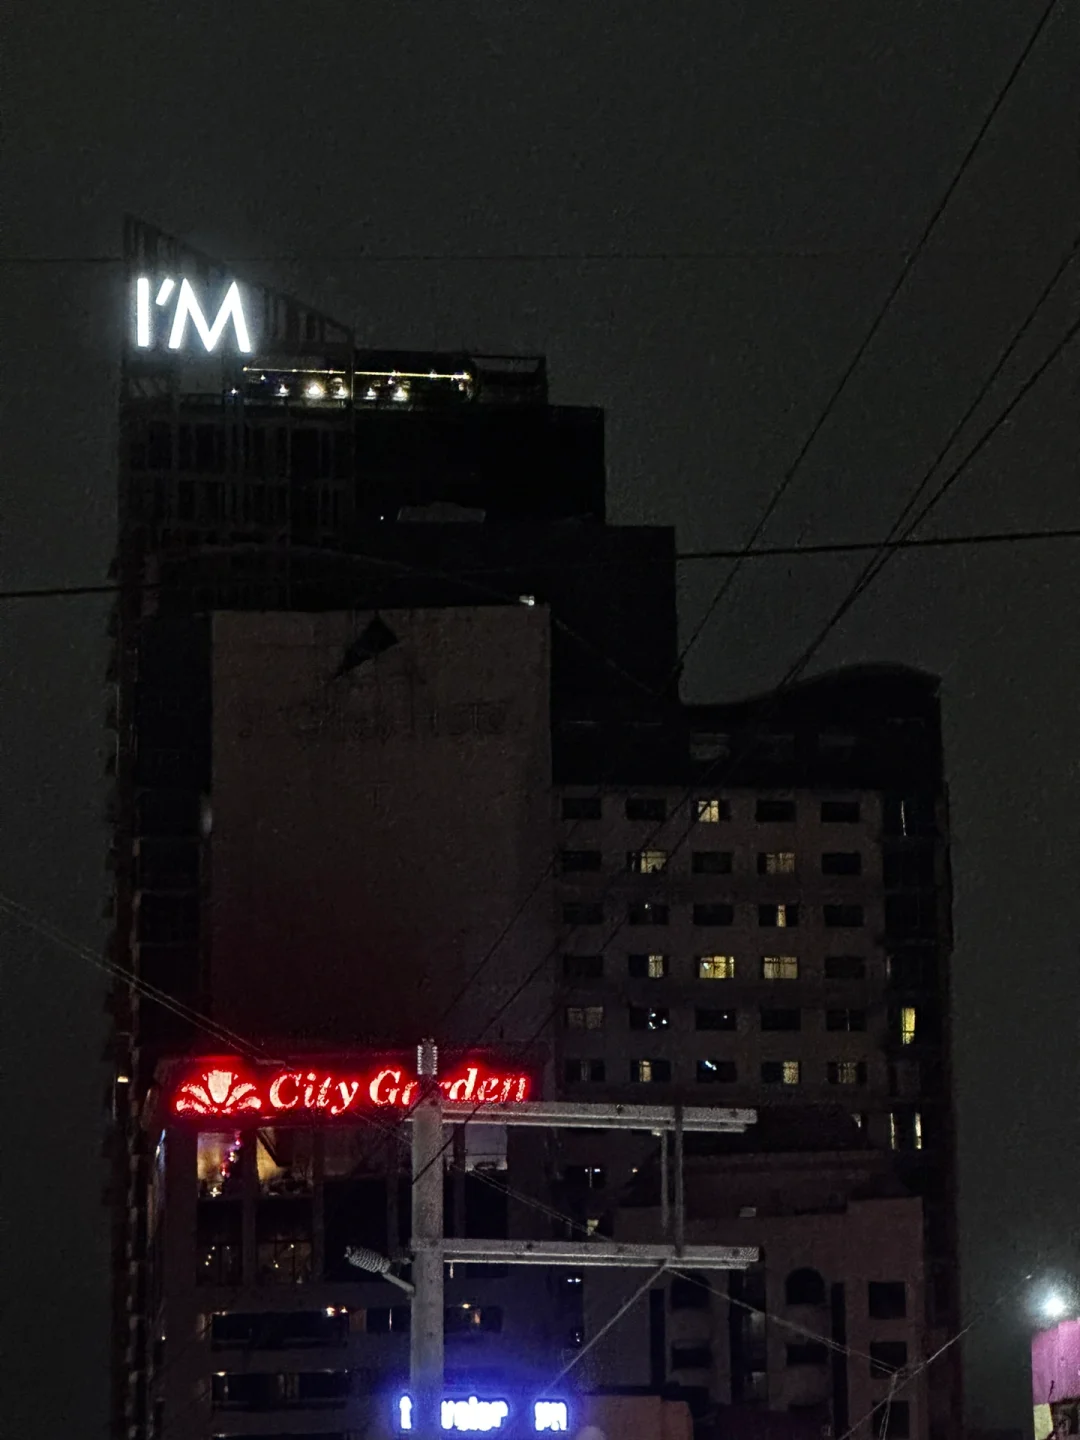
599,1252
568,1114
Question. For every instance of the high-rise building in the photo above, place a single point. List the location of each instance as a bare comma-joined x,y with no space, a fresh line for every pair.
400,754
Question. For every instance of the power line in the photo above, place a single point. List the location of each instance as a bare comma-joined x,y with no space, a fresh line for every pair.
747,254
838,389
790,677
879,317
686,557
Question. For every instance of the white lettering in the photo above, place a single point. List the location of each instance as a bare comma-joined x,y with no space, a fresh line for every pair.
473,1414
231,307
347,1090
380,1093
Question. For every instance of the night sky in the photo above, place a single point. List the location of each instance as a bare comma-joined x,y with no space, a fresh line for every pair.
711,198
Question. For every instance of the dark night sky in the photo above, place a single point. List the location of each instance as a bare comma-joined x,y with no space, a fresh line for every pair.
809,143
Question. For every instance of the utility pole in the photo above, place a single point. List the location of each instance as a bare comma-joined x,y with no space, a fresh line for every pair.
431,1249
426,1330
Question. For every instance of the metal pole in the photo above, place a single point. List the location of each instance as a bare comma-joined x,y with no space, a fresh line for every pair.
665,1197
680,1187
426,1334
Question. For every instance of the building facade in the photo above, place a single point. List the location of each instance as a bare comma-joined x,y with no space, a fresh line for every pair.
399,752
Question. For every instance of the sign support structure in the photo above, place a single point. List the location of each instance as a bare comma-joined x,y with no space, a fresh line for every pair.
431,1249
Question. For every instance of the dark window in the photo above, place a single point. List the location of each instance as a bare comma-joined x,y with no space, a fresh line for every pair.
644,1017
581,807
808,1352
840,917
840,812
646,1072
886,1357
572,862
804,1287
691,1357
711,862
387,1319
583,1072
909,869
716,1072
845,967
891,1420
646,912
472,1319
588,1177
908,815
583,912
583,967
845,1019
911,915
647,967
781,1019
774,810
778,915
846,1072
689,1292
912,970
278,1330
716,1019
841,862
712,914
646,807
886,1299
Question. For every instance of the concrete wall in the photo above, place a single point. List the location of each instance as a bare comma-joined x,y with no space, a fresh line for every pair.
375,831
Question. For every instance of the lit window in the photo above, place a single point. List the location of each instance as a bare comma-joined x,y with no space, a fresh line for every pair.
907,1025
776,862
650,1072
779,916
646,862
647,967
716,967
894,1131
585,1017
711,812
780,1072
846,1072
917,1130
779,967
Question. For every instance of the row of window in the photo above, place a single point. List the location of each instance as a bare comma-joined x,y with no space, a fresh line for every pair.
886,1356
709,810
655,966
709,1071
656,912
658,1017
709,862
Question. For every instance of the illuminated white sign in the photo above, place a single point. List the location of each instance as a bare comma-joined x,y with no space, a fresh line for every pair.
474,1415
186,307
550,1415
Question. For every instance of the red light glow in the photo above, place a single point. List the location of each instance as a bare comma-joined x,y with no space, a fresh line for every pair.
228,1088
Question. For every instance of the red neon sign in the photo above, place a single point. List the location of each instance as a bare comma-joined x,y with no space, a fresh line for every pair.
228,1088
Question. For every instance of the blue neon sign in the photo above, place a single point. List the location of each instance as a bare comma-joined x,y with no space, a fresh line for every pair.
476,1415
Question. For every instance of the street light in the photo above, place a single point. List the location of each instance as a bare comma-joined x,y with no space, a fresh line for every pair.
1054,1306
